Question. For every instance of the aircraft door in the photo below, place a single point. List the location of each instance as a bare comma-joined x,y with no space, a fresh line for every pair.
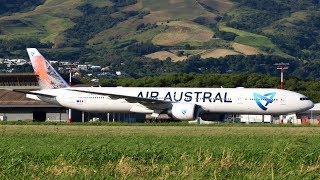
240,99
241,102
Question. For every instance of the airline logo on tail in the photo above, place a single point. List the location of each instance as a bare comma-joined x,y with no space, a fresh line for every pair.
48,77
267,98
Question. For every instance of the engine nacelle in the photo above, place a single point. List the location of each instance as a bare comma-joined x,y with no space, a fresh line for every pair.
184,111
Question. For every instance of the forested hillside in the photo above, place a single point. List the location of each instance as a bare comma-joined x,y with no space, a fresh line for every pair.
152,37
12,6
293,25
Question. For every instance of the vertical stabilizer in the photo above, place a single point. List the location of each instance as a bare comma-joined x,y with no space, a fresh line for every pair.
48,77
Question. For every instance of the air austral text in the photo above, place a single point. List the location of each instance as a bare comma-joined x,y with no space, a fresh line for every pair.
188,96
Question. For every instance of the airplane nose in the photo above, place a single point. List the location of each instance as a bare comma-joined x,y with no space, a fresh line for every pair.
310,104
307,105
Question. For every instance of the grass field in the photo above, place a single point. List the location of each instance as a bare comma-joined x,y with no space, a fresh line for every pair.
254,40
119,34
162,152
182,32
248,38
175,9
45,22
220,6
162,55
288,22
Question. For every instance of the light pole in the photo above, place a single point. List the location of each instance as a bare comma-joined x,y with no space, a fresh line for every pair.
282,66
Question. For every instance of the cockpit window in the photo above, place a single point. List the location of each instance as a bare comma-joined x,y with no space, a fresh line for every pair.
304,99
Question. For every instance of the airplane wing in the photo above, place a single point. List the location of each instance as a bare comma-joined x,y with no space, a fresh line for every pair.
150,103
34,93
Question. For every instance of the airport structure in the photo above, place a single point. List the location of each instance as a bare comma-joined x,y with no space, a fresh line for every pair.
14,106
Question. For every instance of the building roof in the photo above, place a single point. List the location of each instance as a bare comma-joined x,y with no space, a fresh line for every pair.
18,80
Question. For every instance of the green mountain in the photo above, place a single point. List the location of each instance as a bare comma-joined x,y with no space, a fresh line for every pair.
111,32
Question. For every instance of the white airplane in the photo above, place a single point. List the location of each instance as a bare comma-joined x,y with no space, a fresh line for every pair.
179,103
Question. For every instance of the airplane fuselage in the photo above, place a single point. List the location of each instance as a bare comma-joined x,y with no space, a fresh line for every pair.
212,100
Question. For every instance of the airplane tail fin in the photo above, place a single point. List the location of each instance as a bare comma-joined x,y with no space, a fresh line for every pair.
48,77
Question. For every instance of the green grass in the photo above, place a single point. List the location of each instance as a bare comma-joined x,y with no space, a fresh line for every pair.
248,38
165,152
99,3
55,26
181,9
254,40
155,5
121,35
61,8
182,32
46,22
52,26
53,2
289,22
149,34
19,28
43,27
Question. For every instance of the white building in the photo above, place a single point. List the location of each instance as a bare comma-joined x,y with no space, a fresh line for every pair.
96,68
246,118
83,67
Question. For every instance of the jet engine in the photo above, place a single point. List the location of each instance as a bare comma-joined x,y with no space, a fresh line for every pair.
184,111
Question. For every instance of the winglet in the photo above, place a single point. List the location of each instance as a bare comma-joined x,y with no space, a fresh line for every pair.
48,77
